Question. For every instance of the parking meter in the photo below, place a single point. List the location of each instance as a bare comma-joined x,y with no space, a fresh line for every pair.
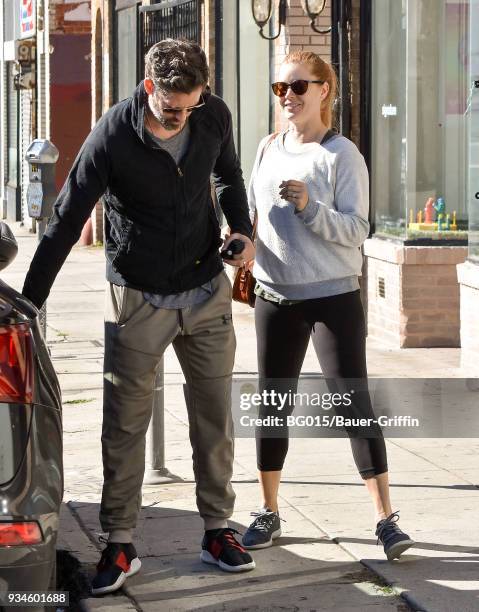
41,156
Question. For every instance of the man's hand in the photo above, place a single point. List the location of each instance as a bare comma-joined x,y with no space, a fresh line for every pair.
246,255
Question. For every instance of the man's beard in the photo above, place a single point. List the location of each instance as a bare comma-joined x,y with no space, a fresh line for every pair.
167,124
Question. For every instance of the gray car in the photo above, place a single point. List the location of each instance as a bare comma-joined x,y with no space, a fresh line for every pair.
31,468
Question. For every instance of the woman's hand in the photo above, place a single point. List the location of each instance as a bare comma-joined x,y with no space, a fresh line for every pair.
295,192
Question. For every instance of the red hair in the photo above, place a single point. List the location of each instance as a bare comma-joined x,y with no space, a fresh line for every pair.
323,72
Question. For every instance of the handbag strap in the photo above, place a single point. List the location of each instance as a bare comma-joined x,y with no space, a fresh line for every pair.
266,145
271,137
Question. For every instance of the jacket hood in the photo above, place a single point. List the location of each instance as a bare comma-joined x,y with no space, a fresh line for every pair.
138,102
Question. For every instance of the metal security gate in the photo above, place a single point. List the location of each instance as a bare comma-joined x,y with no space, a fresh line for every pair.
12,177
26,136
341,16
167,19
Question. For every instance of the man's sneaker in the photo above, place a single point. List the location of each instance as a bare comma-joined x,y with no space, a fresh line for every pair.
394,540
221,548
265,528
117,563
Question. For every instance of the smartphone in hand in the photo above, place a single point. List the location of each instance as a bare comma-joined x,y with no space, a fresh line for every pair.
235,247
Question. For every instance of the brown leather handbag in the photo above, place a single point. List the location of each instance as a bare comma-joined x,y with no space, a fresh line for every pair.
244,282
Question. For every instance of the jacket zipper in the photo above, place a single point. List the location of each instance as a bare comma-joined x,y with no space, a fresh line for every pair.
180,175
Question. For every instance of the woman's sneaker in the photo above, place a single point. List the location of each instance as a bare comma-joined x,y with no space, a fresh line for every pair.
265,528
118,562
394,540
220,547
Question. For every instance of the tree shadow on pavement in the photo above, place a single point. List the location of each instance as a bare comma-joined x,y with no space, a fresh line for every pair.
455,487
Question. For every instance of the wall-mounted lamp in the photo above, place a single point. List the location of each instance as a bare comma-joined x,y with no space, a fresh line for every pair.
262,10
314,8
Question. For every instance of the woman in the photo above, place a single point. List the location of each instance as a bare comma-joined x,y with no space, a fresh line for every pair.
309,189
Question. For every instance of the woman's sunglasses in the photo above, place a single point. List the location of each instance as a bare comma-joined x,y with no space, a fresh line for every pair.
298,87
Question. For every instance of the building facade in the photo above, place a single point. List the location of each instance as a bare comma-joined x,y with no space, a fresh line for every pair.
46,90
409,82
418,163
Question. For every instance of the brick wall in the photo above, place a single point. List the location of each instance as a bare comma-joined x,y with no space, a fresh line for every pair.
354,69
298,35
383,312
430,305
69,18
208,38
413,294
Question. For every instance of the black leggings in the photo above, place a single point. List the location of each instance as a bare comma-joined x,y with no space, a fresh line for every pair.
337,327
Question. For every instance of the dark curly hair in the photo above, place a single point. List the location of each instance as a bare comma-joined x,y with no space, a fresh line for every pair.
176,65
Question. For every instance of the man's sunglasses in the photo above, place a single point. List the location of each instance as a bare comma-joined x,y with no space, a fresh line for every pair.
188,109
298,87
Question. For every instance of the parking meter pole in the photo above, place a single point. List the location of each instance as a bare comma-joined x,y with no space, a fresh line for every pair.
158,473
158,421
41,157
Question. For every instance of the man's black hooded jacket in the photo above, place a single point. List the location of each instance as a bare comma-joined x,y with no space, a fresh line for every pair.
161,230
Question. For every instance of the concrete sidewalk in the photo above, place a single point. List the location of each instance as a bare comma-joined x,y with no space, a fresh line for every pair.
327,558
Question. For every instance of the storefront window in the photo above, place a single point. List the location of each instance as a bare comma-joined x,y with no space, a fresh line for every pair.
419,123
473,130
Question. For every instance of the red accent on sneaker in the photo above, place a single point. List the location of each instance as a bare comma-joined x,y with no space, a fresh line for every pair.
122,562
215,548
231,540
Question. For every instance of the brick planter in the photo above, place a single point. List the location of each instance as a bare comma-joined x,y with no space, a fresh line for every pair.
413,294
468,275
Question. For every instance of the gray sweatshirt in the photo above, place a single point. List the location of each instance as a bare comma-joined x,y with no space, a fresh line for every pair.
316,252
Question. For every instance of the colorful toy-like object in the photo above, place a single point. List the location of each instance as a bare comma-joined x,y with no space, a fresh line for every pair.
425,218
428,211
440,207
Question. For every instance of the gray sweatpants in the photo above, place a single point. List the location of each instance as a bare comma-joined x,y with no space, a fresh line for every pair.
136,336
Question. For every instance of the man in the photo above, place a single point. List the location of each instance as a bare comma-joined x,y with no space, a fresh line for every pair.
151,157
